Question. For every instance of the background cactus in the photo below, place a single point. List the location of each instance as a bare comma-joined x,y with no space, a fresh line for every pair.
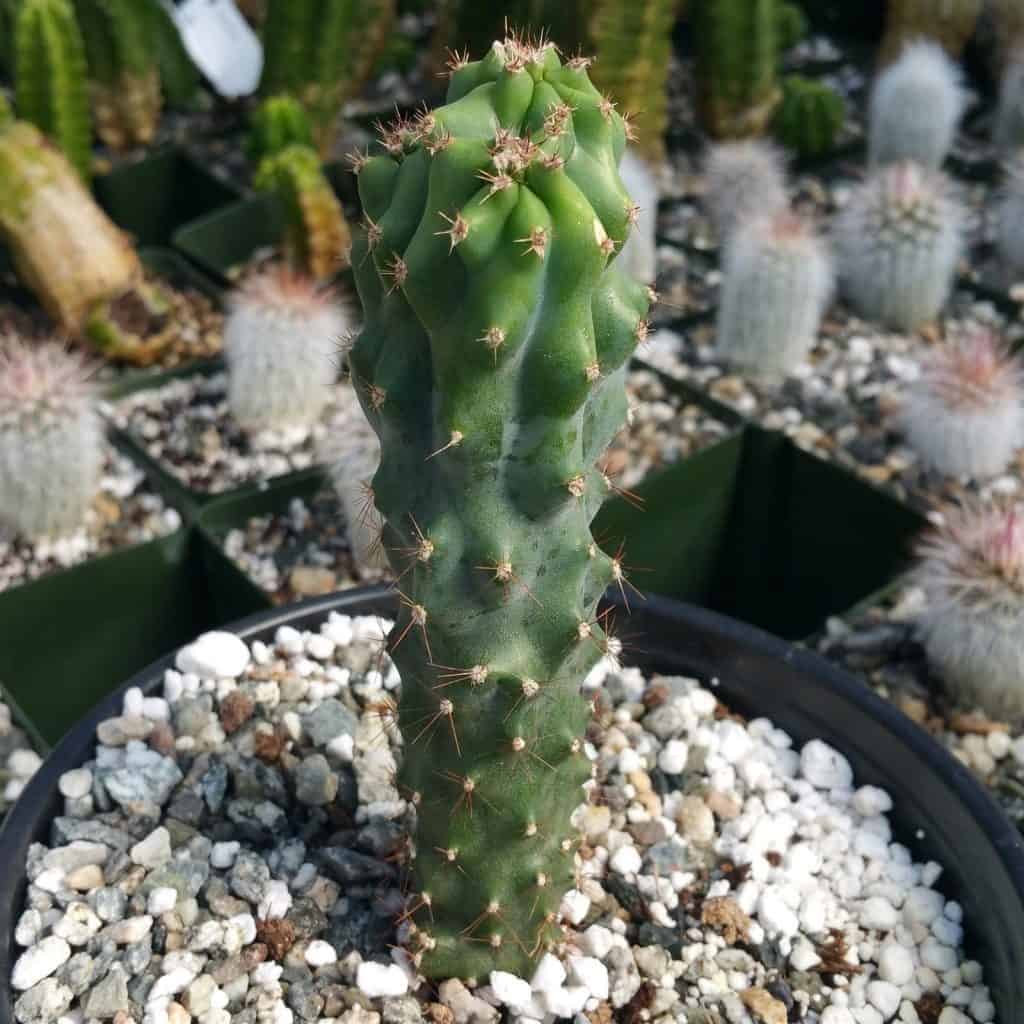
277,123
949,22
1008,132
316,234
639,255
744,180
738,48
923,79
965,414
776,286
491,365
322,51
898,240
281,339
50,78
810,117
972,573
1009,217
51,439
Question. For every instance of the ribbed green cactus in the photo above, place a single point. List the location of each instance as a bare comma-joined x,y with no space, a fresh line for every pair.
322,51
277,123
316,233
810,116
123,71
738,46
50,77
491,364
632,44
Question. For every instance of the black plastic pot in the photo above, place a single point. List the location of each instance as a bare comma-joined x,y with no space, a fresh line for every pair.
941,812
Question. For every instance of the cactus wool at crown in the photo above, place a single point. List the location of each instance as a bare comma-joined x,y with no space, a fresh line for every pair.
491,364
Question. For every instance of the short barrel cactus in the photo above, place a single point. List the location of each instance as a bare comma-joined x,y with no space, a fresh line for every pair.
810,116
491,364
278,122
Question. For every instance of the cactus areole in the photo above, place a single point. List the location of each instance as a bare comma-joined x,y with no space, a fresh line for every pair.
492,364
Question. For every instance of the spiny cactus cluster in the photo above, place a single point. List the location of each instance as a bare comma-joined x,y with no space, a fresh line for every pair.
281,340
1009,217
898,241
949,22
491,364
965,414
776,286
277,123
972,574
744,180
316,235
916,105
1008,132
51,439
50,78
810,116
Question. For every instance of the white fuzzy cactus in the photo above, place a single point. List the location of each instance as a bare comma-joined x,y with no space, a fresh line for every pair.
51,439
743,180
777,283
972,574
639,255
1009,217
281,341
965,414
898,241
1008,131
915,107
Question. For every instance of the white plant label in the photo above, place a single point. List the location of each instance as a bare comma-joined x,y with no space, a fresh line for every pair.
222,44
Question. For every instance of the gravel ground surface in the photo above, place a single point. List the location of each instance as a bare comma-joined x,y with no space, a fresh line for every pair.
125,512
18,758
232,854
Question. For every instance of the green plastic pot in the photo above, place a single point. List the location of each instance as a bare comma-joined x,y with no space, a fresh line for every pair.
154,196
760,530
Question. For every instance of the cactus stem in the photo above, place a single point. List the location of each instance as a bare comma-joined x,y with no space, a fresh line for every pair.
468,790
537,242
418,618
456,61
496,182
475,676
557,119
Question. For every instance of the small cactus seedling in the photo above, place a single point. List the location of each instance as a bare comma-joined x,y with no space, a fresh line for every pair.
950,23
898,241
316,235
744,180
281,337
1009,217
810,117
277,123
923,79
776,286
966,413
51,439
491,364
972,574
50,78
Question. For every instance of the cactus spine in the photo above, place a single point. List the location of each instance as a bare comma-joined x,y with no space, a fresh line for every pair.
810,117
491,364
322,51
745,180
278,123
777,283
280,340
924,78
316,235
50,78
51,439
898,240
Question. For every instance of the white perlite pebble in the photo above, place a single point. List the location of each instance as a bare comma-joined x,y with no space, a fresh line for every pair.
154,850
626,860
673,757
276,902
837,1015
884,997
76,783
320,953
549,974
895,964
575,906
375,980
591,974
214,655
508,989
39,962
161,900
222,855
824,767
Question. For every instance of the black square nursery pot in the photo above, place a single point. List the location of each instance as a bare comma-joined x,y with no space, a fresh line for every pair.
756,528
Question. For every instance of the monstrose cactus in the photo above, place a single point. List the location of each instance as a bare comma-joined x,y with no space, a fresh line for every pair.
491,364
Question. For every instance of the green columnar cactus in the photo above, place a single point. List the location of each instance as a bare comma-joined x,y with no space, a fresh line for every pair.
123,72
322,51
50,77
277,123
810,116
316,234
179,77
632,45
738,45
491,364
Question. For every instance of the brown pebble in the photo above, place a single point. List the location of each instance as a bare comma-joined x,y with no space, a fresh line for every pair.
725,806
267,745
603,1014
978,725
235,710
440,1014
765,1008
929,1008
278,935
726,916
254,954
161,739
312,581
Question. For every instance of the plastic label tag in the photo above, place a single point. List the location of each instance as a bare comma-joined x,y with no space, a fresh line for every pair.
221,43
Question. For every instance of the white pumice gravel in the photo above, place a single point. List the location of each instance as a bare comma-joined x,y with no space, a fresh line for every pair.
199,876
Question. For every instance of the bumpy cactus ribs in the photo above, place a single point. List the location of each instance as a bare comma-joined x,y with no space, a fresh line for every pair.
492,364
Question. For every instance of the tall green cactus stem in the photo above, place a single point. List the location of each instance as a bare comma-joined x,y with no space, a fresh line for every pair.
810,116
123,72
316,234
322,51
632,48
738,46
50,78
277,123
491,364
